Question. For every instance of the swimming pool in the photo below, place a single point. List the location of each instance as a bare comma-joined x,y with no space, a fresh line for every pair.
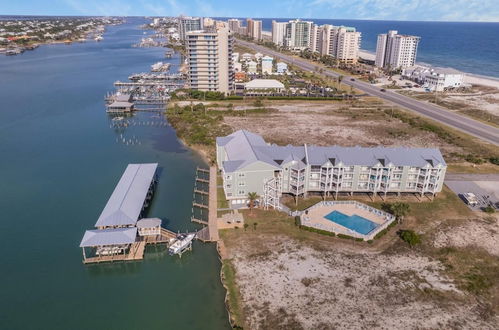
353,222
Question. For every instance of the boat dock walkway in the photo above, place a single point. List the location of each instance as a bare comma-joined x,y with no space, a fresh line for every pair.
204,205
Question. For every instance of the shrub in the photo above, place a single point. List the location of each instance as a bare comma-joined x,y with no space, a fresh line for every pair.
297,221
410,237
474,159
345,236
494,160
370,241
489,209
318,231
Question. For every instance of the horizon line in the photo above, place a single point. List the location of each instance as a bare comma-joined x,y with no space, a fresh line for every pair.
242,17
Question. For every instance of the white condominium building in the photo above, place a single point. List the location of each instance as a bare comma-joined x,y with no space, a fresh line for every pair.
341,42
396,50
210,61
187,24
279,32
254,29
234,25
298,34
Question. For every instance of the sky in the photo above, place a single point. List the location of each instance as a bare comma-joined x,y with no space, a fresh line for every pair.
414,10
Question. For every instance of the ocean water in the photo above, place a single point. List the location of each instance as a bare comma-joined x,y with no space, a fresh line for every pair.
466,46
60,162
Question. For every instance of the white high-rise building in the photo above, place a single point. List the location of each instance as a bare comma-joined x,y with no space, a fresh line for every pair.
279,32
187,24
234,25
345,44
298,34
210,61
340,42
396,51
254,29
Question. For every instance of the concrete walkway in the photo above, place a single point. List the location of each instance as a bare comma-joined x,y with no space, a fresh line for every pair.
212,205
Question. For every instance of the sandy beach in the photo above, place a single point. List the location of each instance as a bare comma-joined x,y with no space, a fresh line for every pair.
469,78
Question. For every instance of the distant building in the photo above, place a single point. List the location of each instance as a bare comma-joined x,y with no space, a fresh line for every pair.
281,67
254,29
298,34
235,57
340,42
435,79
396,51
187,24
279,32
210,64
267,64
238,67
251,67
234,25
240,76
249,164
247,57
207,22
261,87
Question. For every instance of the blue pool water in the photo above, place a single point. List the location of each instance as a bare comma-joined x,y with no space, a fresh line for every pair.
354,222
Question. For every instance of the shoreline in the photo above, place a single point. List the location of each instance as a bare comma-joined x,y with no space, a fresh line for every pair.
470,78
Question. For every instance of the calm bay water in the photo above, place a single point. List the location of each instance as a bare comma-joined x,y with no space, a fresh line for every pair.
467,46
60,161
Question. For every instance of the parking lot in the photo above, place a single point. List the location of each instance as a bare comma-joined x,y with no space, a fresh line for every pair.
485,188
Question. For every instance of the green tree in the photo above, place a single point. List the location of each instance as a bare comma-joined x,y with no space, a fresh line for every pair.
399,210
252,196
410,237
254,225
245,226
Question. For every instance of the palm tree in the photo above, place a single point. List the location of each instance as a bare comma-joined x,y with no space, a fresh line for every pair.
252,196
340,78
400,210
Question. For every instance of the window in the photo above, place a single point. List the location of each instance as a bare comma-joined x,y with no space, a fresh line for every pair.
347,184
241,192
242,175
242,184
228,177
229,186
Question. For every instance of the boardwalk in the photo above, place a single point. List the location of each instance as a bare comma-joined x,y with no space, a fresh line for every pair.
212,204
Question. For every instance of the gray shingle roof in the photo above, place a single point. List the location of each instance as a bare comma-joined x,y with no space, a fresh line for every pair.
243,148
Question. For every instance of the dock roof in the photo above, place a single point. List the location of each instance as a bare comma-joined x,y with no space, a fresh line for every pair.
125,204
104,237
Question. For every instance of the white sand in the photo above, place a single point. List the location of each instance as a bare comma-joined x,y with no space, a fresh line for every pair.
297,287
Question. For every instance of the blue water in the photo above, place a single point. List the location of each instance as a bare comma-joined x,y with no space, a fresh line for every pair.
353,222
467,46
60,161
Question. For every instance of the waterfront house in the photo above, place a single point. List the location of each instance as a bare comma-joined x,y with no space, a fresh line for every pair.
249,164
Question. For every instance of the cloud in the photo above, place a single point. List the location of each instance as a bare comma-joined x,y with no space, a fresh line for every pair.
415,10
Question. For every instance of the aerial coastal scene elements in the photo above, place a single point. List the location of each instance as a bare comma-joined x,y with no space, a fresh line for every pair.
216,165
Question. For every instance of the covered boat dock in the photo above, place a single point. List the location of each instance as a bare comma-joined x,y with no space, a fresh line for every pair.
112,245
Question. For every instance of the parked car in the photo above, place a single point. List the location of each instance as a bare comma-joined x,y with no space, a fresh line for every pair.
470,198
352,79
382,90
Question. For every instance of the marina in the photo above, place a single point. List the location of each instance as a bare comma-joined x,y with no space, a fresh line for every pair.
122,232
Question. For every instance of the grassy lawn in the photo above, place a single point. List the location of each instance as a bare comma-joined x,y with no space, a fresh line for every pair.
486,168
233,294
220,181
445,205
222,202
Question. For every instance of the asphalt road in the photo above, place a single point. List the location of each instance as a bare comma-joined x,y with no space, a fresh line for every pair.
465,124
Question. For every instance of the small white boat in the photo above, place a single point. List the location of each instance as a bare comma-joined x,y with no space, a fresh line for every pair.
98,38
182,243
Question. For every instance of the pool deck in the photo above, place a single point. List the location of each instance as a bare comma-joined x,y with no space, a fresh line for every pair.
316,218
